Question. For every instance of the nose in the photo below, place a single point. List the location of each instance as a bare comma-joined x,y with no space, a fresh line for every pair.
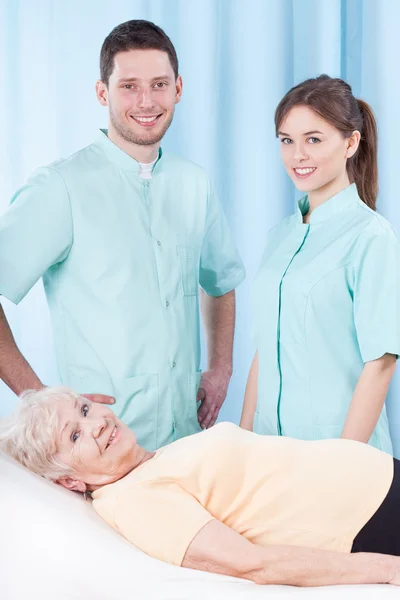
146,99
98,426
300,153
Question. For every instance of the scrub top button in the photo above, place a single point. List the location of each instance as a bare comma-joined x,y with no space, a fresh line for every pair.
167,304
158,242
174,364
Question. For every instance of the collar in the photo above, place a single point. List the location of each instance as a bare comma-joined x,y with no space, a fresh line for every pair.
341,202
118,156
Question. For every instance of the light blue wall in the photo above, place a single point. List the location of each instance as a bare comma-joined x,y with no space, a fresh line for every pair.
237,57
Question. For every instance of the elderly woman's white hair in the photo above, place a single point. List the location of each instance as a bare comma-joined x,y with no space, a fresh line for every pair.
29,434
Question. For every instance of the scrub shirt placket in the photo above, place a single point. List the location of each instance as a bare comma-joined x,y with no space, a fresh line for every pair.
298,245
166,380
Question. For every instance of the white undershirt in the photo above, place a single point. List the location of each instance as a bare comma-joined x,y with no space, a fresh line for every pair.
146,169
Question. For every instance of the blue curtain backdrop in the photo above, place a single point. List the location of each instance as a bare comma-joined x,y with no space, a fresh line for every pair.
237,59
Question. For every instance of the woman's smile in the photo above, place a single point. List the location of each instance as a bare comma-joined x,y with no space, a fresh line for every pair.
114,437
304,172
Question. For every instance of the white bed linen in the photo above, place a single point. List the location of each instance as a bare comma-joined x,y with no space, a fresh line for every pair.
53,546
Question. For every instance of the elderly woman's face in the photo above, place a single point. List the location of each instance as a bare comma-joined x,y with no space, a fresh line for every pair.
97,446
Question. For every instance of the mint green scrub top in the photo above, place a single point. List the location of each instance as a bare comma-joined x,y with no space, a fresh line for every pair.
122,259
327,301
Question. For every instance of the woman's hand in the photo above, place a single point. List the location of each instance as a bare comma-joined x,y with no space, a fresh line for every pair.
395,579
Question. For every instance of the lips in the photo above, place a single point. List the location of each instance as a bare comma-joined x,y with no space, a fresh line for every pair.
111,438
304,172
146,120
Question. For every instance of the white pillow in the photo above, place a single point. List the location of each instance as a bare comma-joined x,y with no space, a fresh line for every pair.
53,546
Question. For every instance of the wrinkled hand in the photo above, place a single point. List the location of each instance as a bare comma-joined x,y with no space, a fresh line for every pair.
395,569
212,393
100,398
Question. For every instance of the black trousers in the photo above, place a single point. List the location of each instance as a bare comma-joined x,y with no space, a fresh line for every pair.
382,532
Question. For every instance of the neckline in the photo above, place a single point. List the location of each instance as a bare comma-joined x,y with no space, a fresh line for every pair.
340,202
96,494
118,156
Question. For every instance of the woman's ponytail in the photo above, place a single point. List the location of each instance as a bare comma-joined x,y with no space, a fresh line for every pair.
363,166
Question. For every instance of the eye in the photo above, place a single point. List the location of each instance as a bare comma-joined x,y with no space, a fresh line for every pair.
74,436
128,86
85,409
286,141
314,140
160,84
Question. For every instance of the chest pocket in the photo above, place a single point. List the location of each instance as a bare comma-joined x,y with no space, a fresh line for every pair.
189,256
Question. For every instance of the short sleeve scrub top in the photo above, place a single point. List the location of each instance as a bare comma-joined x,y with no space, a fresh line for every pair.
326,301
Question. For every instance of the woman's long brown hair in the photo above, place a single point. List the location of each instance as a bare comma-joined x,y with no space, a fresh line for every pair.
333,100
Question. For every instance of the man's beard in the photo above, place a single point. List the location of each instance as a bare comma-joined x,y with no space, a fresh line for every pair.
130,136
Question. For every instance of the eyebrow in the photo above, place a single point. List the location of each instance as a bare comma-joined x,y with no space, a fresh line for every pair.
67,423
307,133
133,79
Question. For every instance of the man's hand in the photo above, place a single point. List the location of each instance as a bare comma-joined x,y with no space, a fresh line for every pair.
212,393
100,398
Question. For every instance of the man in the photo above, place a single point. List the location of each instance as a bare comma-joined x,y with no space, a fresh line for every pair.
123,236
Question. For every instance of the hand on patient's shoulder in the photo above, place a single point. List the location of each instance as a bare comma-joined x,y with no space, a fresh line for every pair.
100,398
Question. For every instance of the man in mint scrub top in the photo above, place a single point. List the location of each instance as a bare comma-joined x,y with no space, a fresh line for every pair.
123,235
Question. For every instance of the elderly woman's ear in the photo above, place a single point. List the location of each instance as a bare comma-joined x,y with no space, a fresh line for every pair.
72,484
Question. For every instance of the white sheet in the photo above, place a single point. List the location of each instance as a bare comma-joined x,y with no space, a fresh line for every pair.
53,546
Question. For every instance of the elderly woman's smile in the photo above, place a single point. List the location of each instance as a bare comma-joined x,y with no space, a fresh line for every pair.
113,437
96,446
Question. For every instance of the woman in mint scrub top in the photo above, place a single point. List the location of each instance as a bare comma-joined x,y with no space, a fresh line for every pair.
327,294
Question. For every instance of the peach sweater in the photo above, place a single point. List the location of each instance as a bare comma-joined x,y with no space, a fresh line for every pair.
271,490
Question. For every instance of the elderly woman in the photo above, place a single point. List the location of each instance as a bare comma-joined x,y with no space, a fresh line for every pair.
270,509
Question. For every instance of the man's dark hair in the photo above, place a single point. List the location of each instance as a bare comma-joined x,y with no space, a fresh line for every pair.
134,35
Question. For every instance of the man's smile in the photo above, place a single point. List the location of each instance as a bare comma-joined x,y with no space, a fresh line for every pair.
146,121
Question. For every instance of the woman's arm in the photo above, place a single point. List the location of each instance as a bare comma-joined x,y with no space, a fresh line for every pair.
219,549
250,396
369,398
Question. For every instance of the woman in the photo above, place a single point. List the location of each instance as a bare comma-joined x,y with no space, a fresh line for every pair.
327,295
268,509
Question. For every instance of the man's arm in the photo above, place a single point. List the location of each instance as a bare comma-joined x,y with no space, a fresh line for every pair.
15,371
219,323
219,549
250,396
40,210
